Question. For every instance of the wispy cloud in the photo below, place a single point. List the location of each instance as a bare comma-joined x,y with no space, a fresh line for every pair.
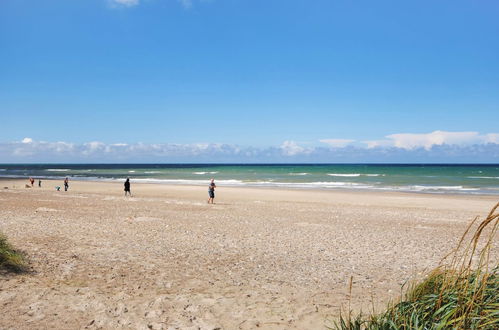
124,3
187,4
337,143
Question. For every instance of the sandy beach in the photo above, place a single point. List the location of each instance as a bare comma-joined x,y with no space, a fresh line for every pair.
258,258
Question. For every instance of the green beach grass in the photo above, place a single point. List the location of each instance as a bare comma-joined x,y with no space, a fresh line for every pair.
462,293
10,259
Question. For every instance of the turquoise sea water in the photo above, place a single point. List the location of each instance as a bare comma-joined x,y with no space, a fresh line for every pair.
443,178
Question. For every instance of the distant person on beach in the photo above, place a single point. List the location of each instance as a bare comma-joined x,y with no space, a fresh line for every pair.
39,183
32,181
66,184
127,187
211,191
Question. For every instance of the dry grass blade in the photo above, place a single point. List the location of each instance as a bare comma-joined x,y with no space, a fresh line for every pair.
10,259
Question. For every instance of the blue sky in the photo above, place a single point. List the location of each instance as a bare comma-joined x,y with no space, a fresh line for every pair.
299,76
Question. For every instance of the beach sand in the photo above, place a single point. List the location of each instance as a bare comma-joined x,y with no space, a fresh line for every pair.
258,258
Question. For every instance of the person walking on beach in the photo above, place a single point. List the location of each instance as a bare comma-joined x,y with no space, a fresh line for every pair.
127,187
66,184
39,183
211,191
32,181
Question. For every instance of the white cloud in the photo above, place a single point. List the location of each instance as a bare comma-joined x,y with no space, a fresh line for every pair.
378,143
291,148
410,141
492,138
438,146
337,143
125,3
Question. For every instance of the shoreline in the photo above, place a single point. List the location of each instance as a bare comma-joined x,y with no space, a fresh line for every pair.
235,194
250,185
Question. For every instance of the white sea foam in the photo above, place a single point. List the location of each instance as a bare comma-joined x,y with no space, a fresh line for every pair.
304,173
53,177
57,170
432,189
317,184
341,174
186,181
233,182
483,177
446,188
152,172
12,176
131,171
354,174
203,173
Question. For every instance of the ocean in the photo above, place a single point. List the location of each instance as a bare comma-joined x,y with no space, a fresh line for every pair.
426,178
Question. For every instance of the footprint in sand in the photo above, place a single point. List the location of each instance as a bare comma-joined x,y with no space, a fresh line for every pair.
143,219
45,209
307,224
423,227
69,196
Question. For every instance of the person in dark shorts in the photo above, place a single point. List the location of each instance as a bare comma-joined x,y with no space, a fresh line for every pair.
39,183
66,184
127,187
211,191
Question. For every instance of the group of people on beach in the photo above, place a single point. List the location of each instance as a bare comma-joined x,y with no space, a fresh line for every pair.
32,182
66,183
211,190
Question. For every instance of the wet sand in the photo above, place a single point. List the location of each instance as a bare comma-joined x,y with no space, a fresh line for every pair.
258,258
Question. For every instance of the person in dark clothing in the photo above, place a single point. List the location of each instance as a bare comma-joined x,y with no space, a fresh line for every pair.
66,184
211,191
127,187
39,183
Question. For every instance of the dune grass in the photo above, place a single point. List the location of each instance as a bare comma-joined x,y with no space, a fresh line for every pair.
462,293
10,259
